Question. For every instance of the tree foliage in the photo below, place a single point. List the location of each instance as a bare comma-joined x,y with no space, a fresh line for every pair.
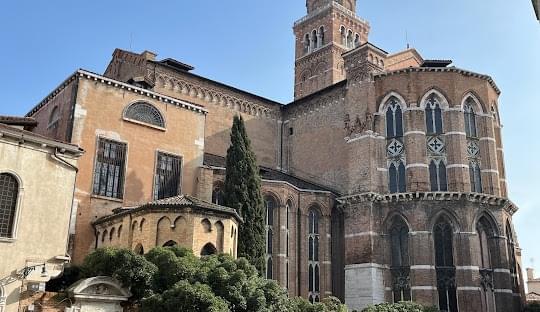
243,193
172,279
405,306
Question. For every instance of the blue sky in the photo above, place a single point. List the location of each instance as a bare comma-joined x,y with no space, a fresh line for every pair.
249,44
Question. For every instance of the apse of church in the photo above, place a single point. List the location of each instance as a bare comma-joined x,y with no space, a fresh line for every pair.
384,179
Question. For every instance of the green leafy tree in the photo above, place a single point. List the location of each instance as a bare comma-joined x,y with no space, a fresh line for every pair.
243,193
172,279
132,270
532,307
405,306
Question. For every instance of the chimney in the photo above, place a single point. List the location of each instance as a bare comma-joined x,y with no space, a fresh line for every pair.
149,55
530,274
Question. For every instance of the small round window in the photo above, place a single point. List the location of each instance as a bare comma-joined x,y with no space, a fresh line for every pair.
145,113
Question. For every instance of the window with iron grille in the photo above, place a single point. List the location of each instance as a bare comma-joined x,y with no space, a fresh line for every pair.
109,169
9,189
168,175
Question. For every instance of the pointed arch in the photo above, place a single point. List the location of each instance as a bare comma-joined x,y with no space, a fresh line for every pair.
398,232
206,226
439,95
111,233
383,104
473,99
141,225
139,249
447,215
163,230
443,240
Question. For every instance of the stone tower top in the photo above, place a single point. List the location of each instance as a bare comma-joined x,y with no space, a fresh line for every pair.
314,5
330,29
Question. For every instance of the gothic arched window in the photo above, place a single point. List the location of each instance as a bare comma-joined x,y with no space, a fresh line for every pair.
400,268
356,40
218,194
434,123
350,39
343,34
470,119
9,192
396,176
314,40
288,206
444,266
270,205
485,232
321,36
475,176
437,176
394,119
307,44
510,245
145,113
313,256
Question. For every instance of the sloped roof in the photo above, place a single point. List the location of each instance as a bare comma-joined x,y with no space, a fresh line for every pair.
176,202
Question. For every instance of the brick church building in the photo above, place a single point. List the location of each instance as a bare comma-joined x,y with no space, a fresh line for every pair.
384,179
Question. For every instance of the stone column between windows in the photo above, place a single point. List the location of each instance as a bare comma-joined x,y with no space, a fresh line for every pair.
281,257
423,275
457,167
364,278
324,257
417,171
501,276
488,151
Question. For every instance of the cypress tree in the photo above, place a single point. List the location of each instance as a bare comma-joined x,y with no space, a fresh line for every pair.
243,193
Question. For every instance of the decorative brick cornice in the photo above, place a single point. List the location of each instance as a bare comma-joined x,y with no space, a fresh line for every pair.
441,70
212,95
504,203
83,74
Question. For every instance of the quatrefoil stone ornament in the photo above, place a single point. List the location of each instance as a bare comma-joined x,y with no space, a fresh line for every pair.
473,149
435,145
394,148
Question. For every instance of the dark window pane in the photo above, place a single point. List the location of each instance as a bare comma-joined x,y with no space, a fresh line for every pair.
390,133
316,249
269,269
433,176
478,179
269,242
109,169
438,120
399,122
167,176
9,191
311,249
429,119
311,286
316,277
404,242
401,178
393,180
442,177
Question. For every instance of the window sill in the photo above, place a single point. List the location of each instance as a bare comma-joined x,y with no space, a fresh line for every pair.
107,198
7,240
144,124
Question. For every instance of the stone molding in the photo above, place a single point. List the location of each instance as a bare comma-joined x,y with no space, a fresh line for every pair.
504,203
440,69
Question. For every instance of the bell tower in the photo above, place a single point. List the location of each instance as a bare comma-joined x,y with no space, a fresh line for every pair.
330,28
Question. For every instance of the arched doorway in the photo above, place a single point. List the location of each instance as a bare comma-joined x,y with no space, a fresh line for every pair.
208,250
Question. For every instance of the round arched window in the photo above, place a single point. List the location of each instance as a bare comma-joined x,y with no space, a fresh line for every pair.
145,113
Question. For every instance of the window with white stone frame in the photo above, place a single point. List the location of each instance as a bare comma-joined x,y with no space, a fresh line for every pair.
436,147
270,204
395,148
314,265
400,266
473,145
288,206
485,234
437,175
9,193
444,265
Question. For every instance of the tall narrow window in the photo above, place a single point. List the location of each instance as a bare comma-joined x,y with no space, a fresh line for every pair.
9,191
167,176
510,245
437,176
434,124
307,44
470,119
400,268
395,148
321,36
357,40
313,257
485,233
475,176
444,266
109,169
288,206
218,195
314,41
270,204
343,34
